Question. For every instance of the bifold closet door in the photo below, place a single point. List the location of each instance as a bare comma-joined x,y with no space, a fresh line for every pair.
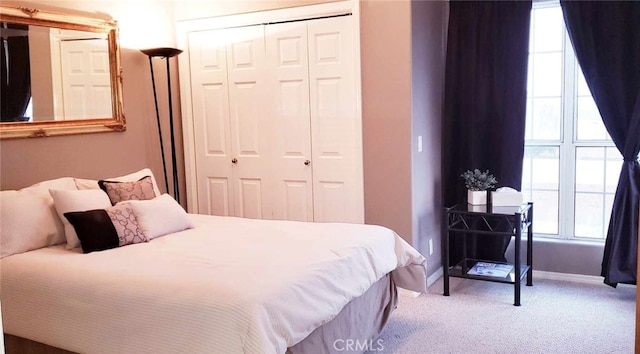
212,135
287,65
230,125
277,132
335,123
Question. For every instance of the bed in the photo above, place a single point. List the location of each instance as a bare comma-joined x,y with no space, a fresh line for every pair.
222,285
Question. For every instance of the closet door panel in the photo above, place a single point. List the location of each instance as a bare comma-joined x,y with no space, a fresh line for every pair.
218,201
331,201
337,178
249,198
212,140
249,121
287,67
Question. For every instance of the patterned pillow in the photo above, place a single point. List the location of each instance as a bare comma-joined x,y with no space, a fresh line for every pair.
103,229
123,191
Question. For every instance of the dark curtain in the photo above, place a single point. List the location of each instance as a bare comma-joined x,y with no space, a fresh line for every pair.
485,101
15,76
606,39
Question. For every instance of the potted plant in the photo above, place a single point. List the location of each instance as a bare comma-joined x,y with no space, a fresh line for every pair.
478,183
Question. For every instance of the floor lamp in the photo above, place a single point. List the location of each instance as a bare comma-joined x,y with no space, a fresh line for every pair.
165,53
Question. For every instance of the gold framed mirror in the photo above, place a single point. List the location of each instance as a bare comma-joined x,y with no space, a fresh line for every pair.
61,74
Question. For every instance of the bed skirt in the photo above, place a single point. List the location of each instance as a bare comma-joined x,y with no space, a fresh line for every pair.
358,324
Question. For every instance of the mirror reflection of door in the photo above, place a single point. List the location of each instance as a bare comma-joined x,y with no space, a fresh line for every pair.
85,78
52,74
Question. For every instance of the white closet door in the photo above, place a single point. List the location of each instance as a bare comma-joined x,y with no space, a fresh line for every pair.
287,64
337,160
230,122
250,121
212,134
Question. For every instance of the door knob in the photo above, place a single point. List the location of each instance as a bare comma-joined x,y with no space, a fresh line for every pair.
234,160
307,162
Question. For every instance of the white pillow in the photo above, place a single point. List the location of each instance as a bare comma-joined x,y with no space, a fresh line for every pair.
132,177
160,216
28,218
65,183
78,200
83,184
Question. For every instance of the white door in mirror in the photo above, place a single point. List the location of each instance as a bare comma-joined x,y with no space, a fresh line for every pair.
86,81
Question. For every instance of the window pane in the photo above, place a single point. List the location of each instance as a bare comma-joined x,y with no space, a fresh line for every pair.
590,167
530,76
546,212
608,206
589,218
589,122
613,167
545,166
547,33
546,118
528,131
540,182
583,89
547,74
597,170
526,171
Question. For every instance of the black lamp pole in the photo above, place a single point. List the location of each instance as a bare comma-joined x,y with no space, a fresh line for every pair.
165,53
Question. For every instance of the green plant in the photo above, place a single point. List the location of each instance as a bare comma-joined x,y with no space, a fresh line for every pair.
477,180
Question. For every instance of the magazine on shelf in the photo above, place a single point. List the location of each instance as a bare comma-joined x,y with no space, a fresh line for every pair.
498,270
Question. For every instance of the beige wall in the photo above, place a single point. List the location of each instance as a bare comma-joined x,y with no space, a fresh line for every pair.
428,37
385,35
403,61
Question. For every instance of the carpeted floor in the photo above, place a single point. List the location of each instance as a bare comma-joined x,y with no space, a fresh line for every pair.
479,317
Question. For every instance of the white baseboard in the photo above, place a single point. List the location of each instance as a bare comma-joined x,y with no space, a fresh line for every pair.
408,293
578,278
434,277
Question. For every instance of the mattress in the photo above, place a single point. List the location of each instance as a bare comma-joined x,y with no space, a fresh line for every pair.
229,285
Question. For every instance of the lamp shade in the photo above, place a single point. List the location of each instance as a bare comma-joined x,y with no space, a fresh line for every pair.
161,52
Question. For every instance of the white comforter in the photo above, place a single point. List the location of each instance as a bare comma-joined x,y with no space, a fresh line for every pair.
230,285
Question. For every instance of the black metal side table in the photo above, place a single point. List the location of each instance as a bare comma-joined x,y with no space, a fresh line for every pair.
488,221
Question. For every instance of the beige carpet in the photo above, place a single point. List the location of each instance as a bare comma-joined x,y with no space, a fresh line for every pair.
479,317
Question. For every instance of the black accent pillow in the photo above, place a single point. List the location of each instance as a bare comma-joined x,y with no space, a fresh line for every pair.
95,229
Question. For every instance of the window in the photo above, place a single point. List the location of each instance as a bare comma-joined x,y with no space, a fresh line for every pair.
571,166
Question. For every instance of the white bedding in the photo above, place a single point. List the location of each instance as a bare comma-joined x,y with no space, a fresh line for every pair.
229,285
